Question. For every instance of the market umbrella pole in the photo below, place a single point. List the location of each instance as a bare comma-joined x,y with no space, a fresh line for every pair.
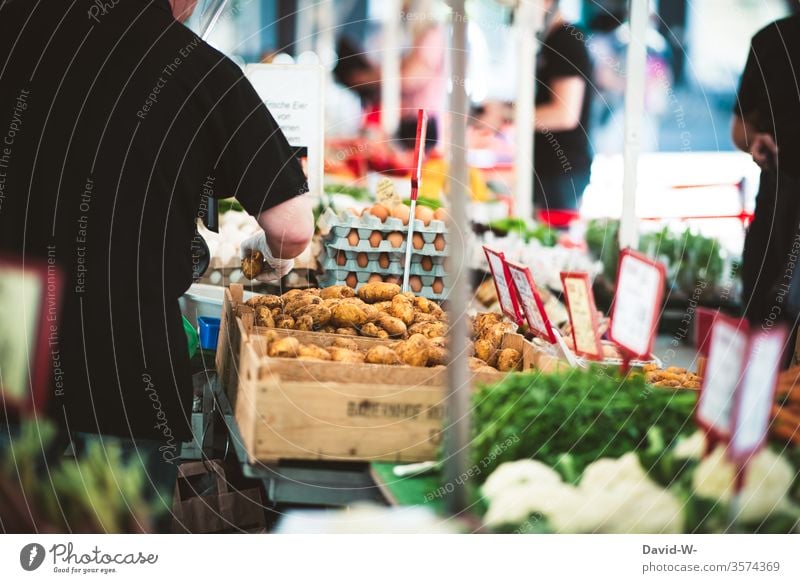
634,109
457,423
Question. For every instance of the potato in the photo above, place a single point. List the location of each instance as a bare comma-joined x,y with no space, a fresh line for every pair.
293,294
328,329
415,351
495,333
382,355
382,306
263,317
378,292
485,320
337,292
347,331
253,264
440,341
304,323
319,314
313,352
292,306
371,312
509,359
272,302
402,308
393,326
284,348
346,315
422,304
486,351
437,355
475,363
345,343
420,317
284,321
429,329
345,355
372,330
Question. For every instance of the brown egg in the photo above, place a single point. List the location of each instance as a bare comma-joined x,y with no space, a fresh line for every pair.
440,214
438,285
362,259
415,283
356,212
383,260
438,243
341,258
424,214
417,241
352,238
402,212
379,211
374,277
375,239
392,279
352,280
426,263
396,239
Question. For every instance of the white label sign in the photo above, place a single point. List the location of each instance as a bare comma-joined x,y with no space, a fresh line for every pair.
723,372
504,294
756,392
637,303
20,310
294,96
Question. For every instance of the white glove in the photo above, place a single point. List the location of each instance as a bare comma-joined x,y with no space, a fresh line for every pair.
274,269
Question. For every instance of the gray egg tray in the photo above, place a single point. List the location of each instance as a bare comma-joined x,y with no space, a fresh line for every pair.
341,224
364,246
328,280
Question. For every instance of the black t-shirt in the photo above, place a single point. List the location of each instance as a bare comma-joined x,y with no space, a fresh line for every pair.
563,54
769,89
115,119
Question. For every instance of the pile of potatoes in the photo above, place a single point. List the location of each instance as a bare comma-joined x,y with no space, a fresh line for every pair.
379,310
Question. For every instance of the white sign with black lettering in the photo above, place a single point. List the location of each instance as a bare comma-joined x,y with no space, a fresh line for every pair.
637,303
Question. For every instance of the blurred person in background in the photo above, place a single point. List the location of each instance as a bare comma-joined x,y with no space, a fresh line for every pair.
116,120
766,124
562,153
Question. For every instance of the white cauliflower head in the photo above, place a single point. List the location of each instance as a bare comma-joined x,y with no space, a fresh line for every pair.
517,473
692,447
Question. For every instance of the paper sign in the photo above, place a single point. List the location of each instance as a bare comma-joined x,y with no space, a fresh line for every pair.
637,303
28,303
502,284
582,314
723,373
756,393
704,320
294,96
531,302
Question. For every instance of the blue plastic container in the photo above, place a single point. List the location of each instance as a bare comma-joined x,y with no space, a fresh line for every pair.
209,332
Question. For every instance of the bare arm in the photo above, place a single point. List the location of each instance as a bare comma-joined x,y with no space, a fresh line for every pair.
760,145
563,112
289,226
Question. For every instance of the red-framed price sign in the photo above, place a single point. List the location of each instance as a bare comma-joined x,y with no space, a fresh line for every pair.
756,393
726,355
503,284
637,303
530,301
583,316
29,301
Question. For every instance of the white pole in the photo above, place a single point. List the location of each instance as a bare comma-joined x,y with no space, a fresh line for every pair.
634,109
457,422
390,66
325,43
304,26
528,21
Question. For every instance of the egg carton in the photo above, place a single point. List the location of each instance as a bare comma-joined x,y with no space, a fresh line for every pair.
391,264
374,267
364,246
341,224
426,291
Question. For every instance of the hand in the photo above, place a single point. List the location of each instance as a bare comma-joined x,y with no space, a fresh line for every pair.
182,9
274,269
764,150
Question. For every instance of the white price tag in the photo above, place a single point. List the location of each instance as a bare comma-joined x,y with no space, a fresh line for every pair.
756,393
582,314
637,303
723,373
530,301
505,292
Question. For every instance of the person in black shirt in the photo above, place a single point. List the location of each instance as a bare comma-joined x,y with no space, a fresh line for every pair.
562,154
766,124
115,120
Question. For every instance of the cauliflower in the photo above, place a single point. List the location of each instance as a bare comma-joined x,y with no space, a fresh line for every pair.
515,504
516,473
767,483
608,473
692,447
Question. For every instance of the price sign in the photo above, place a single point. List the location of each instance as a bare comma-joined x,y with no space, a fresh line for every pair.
582,314
531,302
28,302
640,287
704,320
724,369
756,393
502,284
